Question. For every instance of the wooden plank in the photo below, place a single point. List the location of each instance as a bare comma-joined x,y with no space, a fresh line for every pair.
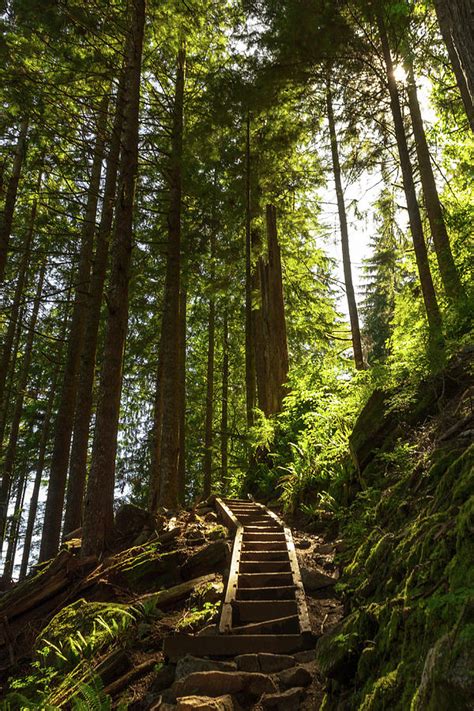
282,592
257,610
305,625
282,625
265,566
230,645
225,622
263,580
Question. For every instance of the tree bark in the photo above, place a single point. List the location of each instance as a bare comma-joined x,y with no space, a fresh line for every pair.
250,375
225,402
67,402
98,506
346,257
169,446
6,220
13,535
208,434
13,323
456,22
18,408
182,395
43,443
447,268
416,227
84,401
271,350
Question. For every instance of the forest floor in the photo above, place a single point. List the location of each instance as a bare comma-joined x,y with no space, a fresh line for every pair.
173,581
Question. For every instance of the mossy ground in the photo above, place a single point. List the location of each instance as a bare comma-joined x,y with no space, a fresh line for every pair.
407,582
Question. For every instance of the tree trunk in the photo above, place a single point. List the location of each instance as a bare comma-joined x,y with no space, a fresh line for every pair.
6,220
456,21
85,390
271,350
447,269
208,435
13,322
13,535
421,254
18,408
182,396
43,443
169,446
225,402
346,257
250,376
67,402
98,506
155,456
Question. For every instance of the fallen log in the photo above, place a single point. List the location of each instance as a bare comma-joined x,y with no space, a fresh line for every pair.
165,598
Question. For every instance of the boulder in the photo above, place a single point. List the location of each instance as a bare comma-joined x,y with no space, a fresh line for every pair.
211,558
189,664
314,579
283,700
303,543
219,683
306,656
205,703
130,520
264,662
298,676
163,678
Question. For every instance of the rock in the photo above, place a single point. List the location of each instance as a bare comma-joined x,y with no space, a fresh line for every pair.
189,664
130,520
263,662
306,656
298,676
218,683
210,559
282,701
447,681
163,678
160,705
205,703
208,631
303,543
316,580
326,549
217,532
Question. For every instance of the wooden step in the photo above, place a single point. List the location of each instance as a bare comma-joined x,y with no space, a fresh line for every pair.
263,545
247,556
263,580
281,625
231,645
258,610
282,592
265,566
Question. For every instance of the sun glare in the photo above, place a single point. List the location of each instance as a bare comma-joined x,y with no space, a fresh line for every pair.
400,74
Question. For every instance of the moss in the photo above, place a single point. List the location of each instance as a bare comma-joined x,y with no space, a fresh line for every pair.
79,630
380,555
216,533
338,653
383,692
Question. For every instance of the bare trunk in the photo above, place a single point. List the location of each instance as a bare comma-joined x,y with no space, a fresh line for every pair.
6,357
225,403
67,402
182,396
249,327
99,500
14,531
82,417
208,435
18,408
169,447
456,21
43,443
271,350
421,254
346,257
6,220
447,269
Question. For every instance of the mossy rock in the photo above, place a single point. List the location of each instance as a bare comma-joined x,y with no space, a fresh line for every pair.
384,692
216,533
152,570
338,652
447,681
79,630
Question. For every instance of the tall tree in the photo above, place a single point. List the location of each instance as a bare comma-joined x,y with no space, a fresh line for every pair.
98,506
346,257
249,329
6,219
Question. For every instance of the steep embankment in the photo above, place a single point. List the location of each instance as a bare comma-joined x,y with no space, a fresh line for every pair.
407,641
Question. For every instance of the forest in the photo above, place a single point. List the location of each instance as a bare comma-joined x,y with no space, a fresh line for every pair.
236,266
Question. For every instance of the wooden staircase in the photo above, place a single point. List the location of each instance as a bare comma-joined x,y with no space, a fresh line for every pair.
264,609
